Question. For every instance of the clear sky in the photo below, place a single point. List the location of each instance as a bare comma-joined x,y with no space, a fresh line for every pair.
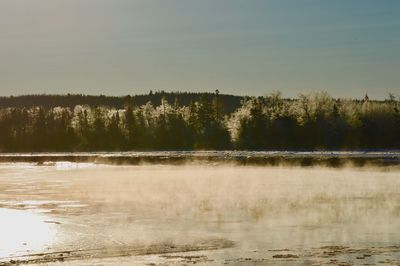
119,47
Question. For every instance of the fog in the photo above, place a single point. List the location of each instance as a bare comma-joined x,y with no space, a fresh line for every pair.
258,208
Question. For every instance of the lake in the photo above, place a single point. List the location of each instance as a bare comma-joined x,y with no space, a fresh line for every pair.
211,212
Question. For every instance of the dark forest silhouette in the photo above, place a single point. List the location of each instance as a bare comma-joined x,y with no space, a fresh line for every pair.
187,121
230,102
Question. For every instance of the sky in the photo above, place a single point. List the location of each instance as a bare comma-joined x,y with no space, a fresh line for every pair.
245,47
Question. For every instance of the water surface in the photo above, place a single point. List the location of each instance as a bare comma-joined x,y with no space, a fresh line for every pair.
210,214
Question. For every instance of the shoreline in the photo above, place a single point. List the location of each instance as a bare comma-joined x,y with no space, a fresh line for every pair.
262,158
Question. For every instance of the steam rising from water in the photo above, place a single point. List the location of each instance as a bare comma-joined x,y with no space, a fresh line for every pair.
293,199
258,207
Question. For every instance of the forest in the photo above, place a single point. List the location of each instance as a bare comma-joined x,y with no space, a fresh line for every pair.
230,102
314,121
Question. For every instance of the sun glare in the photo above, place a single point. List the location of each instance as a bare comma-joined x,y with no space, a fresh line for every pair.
22,231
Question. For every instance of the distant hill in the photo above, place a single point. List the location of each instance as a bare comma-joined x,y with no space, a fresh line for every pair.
230,102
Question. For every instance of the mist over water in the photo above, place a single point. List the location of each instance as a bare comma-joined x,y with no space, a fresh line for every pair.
241,196
259,208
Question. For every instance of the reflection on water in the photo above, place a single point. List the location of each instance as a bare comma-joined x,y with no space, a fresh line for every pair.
22,231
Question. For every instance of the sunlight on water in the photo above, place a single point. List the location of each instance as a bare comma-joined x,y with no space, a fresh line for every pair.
21,231
70,166
54,207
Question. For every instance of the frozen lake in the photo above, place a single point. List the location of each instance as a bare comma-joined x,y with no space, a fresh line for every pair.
94,214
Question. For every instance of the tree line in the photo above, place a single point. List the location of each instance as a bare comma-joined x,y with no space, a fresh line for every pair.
230,102
312,121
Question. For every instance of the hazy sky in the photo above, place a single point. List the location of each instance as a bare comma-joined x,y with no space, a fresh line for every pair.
118,47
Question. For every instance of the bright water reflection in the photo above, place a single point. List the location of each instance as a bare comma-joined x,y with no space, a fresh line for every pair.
22,231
